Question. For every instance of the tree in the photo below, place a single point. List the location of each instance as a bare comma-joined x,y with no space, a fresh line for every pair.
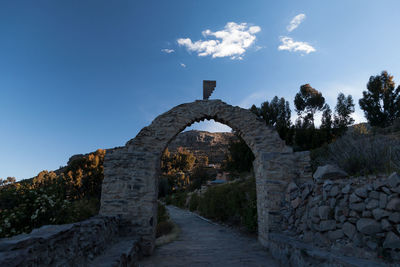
307,102
326,121
275,113
255,110
344,108
381,101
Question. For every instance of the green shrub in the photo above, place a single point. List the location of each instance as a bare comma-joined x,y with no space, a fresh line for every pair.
230,201
162,214
360,154
194,202
70,195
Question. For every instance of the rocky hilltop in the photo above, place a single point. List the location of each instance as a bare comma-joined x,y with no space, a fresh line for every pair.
202,143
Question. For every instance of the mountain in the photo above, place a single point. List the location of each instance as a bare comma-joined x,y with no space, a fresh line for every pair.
202,143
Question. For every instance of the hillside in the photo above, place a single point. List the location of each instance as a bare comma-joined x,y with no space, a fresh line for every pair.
202,143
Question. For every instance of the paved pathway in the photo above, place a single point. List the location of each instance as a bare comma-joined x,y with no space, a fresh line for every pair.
204,244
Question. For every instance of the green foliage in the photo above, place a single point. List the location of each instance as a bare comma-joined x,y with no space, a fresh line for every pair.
381,101
181,161
229,202
50,198
360,154
344,108
178,199
307,102
240,157
275,113
162,214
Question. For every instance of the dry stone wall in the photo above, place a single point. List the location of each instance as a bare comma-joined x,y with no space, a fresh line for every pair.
74,244
356,216
131,173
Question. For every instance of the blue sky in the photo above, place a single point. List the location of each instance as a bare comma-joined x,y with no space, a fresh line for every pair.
80,75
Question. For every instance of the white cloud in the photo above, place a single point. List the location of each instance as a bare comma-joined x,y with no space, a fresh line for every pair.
294,46
209,126
295,22
182,65
168,51
231,42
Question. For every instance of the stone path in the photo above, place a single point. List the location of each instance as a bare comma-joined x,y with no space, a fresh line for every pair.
201,243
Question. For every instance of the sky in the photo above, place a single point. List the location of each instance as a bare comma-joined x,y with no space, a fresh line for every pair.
76,76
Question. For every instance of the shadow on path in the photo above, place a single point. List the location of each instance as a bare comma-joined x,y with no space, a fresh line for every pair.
204,244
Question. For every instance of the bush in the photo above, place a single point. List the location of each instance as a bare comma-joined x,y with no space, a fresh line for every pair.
70,195
162,214
231,202
360,154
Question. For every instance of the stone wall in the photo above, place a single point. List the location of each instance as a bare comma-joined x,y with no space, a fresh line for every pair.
356,216
74,244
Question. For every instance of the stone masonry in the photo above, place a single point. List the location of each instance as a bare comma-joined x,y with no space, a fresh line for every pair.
131,173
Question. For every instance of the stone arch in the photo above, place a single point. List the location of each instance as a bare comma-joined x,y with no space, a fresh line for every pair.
131,173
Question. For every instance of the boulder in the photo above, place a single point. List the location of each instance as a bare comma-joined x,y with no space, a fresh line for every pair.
386,226
374,195
357,206
382,200
372,204
349,229
394,217
391,241
346,189
329,172
354,198
368,226
361,192
323,212
394,204
335,235
327,225
393,180
334,191
379,214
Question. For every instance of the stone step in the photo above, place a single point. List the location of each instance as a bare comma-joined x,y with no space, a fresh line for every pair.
123,253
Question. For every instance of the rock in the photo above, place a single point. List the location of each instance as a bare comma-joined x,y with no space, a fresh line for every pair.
338,212
396,189
379,214
382,200
394,217
349,229
295,203
327,225
368,226
372,245
378,184
335,235
393,180
357,206
386,225
334,191
352,213
366,214
374,195
329,172
323,212
292,187
391,241
346,189
342,218
354,198
372,204
394,204
386,190
361,192
306,192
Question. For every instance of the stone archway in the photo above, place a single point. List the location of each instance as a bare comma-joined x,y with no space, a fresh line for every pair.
131,173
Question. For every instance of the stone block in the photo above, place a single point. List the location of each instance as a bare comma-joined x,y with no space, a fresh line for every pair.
368,226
